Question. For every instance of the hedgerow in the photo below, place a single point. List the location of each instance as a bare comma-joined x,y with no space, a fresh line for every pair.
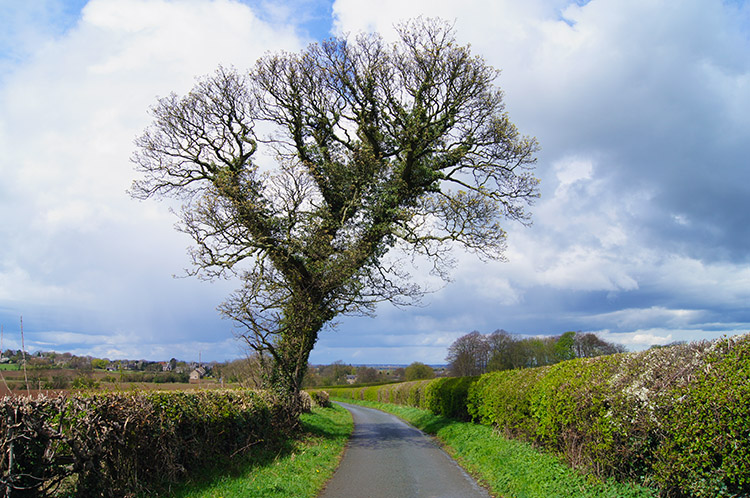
119,444
677,418
447,396
706,449
404,393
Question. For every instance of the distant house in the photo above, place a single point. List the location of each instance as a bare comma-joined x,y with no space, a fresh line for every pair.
197,374
351,379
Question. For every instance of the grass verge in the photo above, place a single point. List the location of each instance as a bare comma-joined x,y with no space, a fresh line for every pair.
509,468
296,468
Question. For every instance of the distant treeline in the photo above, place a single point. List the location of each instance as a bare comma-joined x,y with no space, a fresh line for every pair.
475,353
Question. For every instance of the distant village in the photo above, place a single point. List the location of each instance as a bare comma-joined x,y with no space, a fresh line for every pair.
54,360
239,370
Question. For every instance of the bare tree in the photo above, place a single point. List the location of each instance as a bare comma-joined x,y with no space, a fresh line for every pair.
367,375
469,355
378,147
589,345
501,345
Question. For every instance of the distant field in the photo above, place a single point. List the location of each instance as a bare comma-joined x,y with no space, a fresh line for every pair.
13,383
5,366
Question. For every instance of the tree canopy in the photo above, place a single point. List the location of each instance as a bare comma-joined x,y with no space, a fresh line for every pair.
418,371
475,353
376,146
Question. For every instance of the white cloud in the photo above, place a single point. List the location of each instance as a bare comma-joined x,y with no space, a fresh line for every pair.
72,237
571,170
640,318
645,338
640,339
642,110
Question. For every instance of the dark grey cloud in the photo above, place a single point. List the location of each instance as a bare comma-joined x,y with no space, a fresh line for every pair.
642,114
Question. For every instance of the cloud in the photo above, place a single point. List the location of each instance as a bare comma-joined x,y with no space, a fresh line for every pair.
642,110
72,237
639,318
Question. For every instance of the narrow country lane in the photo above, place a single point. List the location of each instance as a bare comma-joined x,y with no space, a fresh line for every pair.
387,458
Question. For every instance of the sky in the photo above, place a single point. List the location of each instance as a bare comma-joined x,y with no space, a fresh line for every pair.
641,234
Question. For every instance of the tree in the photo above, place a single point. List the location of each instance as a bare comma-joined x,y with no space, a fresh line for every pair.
378,147
81,363
468,355
99,363
563,347
501,345
334,374
399,373
367,375
504,351
418,371
589,345
247,372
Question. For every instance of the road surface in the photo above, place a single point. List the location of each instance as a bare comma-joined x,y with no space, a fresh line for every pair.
387,458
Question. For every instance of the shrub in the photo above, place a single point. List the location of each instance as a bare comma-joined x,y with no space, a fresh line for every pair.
305,401
58,382
571,413
502,399
83,382
321,398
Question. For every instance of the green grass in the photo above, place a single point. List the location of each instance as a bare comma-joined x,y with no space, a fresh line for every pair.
296,468
9,366
509,468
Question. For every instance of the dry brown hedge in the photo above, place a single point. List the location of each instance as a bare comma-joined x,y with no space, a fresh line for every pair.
120,444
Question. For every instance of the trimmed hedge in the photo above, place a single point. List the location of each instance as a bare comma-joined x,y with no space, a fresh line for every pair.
447,396
443,396
404,393
119,444
677,418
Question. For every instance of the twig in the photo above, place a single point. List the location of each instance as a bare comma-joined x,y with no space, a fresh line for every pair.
246,447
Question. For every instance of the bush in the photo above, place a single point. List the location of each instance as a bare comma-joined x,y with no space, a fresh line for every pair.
305,401
83,382
571,413
502,399
321,399
58,382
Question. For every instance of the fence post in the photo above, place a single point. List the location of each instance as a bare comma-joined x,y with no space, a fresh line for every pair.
10,454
